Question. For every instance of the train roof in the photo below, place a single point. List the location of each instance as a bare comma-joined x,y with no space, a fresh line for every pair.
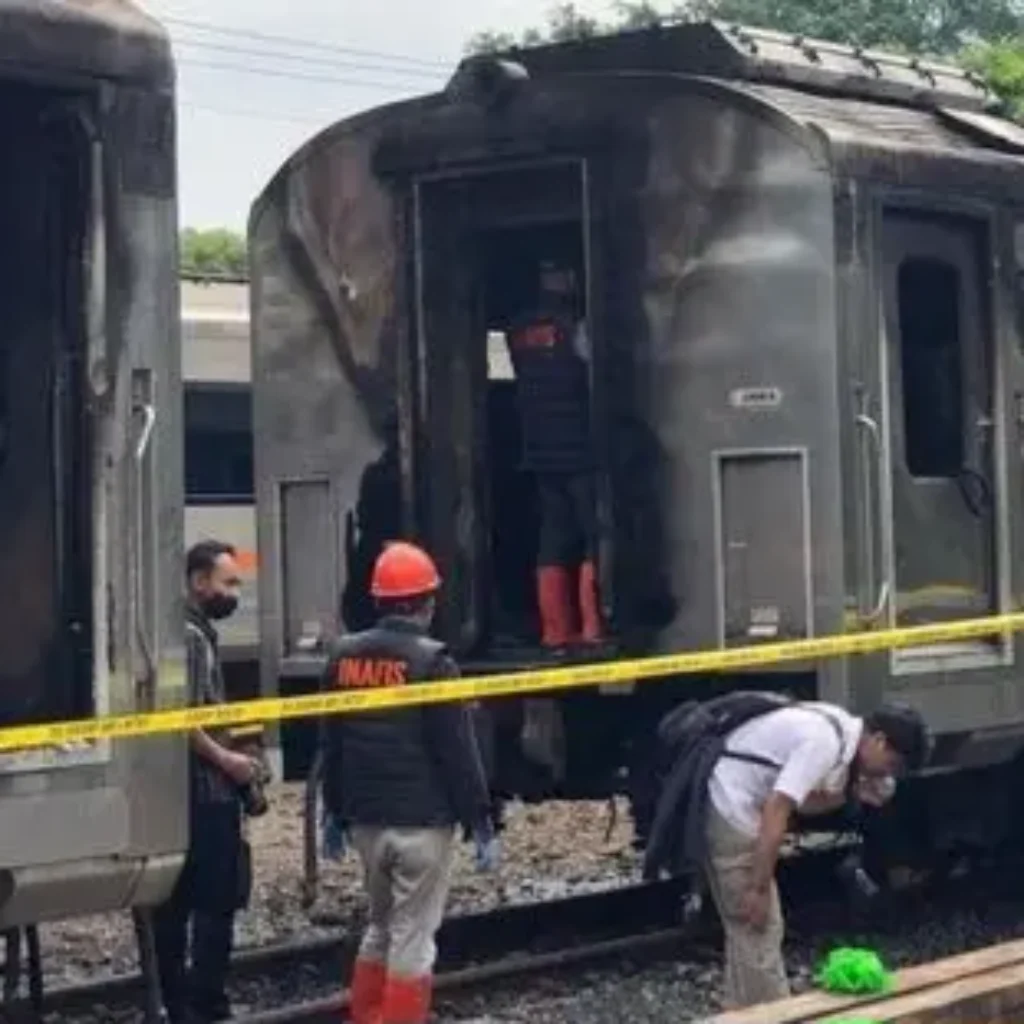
733,52
848,94
74,39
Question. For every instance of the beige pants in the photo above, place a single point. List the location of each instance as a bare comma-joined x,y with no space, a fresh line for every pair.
406,873
754,968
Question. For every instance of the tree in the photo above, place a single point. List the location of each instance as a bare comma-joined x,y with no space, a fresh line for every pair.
924,27
1001,64
217,251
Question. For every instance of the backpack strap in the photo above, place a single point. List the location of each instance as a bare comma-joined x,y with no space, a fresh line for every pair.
765,762
836,728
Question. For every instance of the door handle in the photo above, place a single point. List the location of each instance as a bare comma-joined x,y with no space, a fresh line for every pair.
870,427
146,434
143,405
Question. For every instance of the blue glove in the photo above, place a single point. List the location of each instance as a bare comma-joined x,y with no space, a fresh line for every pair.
334,843
488,850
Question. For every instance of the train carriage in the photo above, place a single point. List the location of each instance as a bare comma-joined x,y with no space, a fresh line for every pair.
90,455
218,447
802,266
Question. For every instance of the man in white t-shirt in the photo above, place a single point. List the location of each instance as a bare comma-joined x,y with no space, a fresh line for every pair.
807,758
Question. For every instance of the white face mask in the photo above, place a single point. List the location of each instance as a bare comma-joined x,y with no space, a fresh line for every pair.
875,790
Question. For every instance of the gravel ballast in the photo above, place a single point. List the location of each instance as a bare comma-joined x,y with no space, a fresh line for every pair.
548,851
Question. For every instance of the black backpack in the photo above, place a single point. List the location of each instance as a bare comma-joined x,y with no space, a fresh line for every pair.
683,727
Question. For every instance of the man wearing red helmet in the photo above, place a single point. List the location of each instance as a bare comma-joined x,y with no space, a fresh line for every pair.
398,782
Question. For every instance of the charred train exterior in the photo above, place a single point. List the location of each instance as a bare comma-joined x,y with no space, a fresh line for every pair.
802,271
90,454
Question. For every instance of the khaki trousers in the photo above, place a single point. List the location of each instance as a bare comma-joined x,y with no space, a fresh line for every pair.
755,971
406,872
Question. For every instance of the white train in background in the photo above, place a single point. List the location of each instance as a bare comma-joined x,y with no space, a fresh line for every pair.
219,483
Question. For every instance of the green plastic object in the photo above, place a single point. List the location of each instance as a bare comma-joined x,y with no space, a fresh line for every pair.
854,972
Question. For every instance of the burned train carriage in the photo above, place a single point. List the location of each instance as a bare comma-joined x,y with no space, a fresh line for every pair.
90,454
801,269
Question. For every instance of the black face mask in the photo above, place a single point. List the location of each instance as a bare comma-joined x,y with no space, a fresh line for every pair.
219,606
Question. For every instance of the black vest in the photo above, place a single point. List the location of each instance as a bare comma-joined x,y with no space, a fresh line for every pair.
383,767
553,395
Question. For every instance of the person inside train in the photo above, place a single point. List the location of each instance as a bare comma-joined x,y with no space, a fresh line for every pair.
214,881
549,350
396,784
810,757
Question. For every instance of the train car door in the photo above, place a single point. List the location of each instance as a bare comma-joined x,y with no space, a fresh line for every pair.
938,371
482,234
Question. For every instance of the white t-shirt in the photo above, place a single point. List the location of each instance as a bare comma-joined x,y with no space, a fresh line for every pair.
806,745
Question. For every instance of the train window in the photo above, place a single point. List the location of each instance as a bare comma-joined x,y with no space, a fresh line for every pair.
930,364
218,445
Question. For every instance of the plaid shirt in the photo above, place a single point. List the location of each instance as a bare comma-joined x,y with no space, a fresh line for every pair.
205,686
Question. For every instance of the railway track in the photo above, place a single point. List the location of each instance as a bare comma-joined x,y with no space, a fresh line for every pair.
299,982
468,942
470,979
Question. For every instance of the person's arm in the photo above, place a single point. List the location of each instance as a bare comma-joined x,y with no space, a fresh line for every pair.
803,772
237,767
823,801
775,817
452,740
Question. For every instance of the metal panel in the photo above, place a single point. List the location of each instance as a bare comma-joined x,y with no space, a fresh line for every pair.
938,382
308,560
730,51
719,334
870,122
101,38
36,829
329,321
764,545
105,321
994,132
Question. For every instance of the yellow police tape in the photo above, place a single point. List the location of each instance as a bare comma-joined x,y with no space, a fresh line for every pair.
508,684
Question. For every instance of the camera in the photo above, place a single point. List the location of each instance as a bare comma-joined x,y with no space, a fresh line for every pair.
253,794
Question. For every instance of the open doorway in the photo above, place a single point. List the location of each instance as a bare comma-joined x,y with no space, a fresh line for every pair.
511,258
45,492
484,240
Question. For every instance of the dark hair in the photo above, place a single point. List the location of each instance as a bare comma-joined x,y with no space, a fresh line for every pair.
202,557
403,606
904,730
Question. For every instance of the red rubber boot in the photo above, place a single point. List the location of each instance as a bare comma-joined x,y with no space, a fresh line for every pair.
554,600
366,993
406,1000
590,605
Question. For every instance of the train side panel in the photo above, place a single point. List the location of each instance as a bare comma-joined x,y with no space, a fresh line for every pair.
92,395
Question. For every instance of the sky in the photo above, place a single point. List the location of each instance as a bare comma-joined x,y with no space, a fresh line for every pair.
256,78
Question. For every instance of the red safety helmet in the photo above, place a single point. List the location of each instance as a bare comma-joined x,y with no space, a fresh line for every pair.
402,571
